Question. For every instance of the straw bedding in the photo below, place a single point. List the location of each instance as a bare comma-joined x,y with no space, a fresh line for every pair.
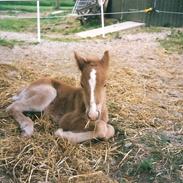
45,158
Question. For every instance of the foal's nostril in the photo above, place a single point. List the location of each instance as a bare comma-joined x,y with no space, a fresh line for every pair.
93,116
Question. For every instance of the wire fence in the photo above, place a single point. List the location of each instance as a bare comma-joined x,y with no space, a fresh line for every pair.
155,12
126,7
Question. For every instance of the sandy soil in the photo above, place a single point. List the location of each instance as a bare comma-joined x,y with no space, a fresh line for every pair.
140,51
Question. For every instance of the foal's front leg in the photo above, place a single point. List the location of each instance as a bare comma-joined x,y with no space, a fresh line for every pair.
101,130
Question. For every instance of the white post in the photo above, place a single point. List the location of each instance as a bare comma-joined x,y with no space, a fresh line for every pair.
102,17
38,23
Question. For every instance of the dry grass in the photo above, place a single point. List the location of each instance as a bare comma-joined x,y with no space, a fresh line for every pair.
147,146
44,157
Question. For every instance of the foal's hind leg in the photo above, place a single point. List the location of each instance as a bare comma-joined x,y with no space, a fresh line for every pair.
35,99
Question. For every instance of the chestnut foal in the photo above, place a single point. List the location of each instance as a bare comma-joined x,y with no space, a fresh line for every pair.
81,112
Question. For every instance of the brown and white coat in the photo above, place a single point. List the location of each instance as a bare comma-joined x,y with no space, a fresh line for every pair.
71,107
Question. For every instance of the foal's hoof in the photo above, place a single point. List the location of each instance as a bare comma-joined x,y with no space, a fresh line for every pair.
110,132
59,132
24,134
27,129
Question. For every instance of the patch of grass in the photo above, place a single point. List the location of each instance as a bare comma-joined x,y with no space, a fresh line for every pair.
161,163
10,43
29,3
78,28
23,8
6,43
29,25
173,42
67,3
17,25
42,3
164,160
65,26
145,166
45,5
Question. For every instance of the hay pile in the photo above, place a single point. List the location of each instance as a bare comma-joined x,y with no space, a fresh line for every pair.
137,105
45,158
149,108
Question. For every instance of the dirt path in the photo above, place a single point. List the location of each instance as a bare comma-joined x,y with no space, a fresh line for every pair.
28,37
140,51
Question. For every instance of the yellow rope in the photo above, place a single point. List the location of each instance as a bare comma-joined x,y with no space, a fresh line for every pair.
147,10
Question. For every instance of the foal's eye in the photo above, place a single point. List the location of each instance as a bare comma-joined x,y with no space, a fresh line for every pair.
105,85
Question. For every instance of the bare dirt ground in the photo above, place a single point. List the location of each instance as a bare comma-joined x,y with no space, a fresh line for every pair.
145,93
140,51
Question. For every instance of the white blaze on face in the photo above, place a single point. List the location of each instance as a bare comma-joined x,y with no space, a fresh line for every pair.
93,113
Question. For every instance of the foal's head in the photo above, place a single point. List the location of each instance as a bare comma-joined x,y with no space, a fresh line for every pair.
93,81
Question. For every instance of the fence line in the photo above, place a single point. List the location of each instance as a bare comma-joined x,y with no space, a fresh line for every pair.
38,17
38,22
96,14
75,15
102,17
169,12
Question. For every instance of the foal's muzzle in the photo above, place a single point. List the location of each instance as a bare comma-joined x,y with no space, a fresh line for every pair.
93,116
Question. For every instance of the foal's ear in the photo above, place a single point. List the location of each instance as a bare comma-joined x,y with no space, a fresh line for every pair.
105,59
80,60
